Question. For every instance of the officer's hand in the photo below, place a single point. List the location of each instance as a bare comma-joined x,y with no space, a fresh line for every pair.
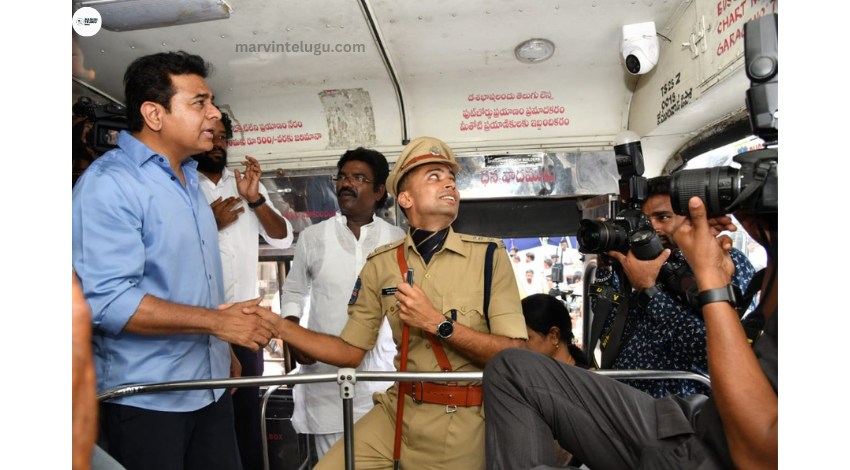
246,324
415,309
712,265
641,274
224,211
300,356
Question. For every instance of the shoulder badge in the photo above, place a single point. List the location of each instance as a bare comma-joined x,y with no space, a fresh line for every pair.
387,247
354,292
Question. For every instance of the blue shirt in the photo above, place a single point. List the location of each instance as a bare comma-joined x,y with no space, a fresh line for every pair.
667,335
136,231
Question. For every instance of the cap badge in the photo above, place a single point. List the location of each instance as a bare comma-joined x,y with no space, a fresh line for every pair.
435,150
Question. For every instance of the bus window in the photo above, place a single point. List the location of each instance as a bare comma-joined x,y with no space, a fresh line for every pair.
268,282
550,265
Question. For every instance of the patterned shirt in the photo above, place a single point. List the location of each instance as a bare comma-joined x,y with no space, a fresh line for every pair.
667,335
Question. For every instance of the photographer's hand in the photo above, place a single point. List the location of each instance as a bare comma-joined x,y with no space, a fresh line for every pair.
711,263
641,274
720,224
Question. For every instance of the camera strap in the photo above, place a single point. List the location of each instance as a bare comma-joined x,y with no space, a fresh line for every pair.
613,339
760,172
754,322
605,297
753,288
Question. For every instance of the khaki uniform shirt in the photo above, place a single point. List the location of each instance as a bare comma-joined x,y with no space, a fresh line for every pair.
454,279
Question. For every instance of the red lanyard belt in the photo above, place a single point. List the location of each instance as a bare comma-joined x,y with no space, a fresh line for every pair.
431,391
451,395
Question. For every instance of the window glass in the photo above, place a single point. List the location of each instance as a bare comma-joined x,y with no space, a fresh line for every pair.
269,289
533,260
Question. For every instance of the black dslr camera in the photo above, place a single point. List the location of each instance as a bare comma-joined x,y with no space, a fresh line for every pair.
630,229
753,186
107,121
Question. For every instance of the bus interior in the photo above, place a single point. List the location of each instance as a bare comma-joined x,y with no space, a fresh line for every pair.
532,96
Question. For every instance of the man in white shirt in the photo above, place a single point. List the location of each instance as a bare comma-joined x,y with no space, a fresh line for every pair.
242,210
531,284
328,260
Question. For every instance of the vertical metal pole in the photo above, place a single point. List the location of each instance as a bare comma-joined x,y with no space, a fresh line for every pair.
348,425
346,378
265,402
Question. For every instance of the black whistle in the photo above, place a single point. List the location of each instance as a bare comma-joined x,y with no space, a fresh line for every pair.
410,277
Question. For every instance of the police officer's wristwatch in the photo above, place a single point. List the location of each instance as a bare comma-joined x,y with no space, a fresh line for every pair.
731,293
445,329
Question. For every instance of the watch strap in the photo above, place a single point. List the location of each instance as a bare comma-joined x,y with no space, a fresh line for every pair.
645,296
259,202
730,293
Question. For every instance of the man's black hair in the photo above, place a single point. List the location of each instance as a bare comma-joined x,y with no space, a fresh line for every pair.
148,78
376,160
658,185
530,255
228,124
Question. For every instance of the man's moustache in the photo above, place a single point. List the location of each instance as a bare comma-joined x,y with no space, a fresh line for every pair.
345,191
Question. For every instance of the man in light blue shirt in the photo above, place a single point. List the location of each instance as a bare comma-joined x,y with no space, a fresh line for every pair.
145,248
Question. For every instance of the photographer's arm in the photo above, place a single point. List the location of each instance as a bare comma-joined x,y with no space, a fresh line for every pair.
745,399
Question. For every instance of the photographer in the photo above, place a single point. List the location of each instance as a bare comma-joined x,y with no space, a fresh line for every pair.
529,397
661,330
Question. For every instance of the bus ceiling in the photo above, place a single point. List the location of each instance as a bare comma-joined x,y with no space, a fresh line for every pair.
303,82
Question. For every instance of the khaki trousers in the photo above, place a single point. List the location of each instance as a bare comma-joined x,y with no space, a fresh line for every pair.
431,438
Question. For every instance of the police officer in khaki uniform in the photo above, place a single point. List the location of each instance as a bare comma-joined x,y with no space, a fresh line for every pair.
443,425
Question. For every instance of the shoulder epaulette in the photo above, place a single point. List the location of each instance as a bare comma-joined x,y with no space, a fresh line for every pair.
479,239
384,248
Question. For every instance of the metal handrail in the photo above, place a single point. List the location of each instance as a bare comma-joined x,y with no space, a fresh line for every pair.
238,382
276,382
366,376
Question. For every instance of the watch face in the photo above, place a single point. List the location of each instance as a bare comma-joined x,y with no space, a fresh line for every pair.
445,329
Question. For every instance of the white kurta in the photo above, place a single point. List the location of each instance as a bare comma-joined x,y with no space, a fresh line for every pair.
238,242
328,260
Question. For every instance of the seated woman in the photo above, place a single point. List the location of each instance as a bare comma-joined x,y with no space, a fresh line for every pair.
550,329
550,332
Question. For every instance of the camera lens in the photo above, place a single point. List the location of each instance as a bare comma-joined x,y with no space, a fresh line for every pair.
717,187
645,244
596,236
632,63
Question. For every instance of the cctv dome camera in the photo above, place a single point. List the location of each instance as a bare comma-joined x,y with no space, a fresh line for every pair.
640,47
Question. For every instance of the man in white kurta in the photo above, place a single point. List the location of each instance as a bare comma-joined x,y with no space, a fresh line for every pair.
328,260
